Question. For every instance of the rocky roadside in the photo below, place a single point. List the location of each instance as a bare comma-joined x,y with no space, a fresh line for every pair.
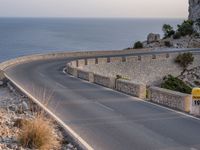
154,41
13,107
191,77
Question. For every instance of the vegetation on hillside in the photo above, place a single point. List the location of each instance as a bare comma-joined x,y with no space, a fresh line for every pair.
138,45
184,29
173,83
185,60
168,30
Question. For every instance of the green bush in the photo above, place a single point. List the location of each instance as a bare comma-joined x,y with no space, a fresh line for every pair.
184,60
173,83
168,30
138,44
186,28
167,44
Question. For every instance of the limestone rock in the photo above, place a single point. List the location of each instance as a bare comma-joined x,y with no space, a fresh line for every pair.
25,106
195,43
196,26
194,9
153,38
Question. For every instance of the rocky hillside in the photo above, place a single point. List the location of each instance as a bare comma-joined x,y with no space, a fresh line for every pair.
192,77
194,9
187,34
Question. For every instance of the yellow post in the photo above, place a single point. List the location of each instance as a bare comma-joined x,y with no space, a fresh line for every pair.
195,108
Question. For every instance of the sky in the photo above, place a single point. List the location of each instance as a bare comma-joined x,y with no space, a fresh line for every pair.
95,8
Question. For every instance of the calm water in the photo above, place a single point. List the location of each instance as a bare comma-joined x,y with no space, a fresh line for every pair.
22,36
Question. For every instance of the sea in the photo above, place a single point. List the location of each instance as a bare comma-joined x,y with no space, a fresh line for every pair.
24,36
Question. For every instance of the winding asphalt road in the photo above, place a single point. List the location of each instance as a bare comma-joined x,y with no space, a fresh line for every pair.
106,119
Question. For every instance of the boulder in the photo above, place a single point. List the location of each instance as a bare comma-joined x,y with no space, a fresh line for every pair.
151,38
25,106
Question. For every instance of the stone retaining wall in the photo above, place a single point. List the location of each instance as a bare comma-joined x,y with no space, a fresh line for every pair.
172,99
147,69
72,54
88,76
128,87
105,81
134,89
72,70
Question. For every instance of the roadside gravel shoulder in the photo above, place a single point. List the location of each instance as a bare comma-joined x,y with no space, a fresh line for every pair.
14,106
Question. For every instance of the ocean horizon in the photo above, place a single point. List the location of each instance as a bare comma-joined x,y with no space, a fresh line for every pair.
24,36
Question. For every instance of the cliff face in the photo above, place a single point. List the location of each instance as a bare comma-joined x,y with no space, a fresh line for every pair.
194,9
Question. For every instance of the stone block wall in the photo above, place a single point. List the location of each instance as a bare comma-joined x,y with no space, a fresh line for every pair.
2,76
88,76
102,60
149,69
68,54
115,59
172,99
132,58
81,63
134,89
72,70
105,81
91,61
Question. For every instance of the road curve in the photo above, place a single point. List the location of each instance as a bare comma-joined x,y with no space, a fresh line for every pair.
106,119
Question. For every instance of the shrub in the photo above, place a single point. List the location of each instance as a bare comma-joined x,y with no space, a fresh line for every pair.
184,60
138,44
121,77
38,134
168,30
197,82
175,84
186,28
118,76
167,43
177,35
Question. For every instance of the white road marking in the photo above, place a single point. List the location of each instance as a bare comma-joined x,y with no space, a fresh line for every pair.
64,71
60,85
193,148
104,106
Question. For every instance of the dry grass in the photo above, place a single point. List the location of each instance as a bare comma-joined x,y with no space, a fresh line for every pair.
38,134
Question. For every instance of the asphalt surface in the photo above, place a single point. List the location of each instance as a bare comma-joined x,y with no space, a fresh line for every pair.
106,119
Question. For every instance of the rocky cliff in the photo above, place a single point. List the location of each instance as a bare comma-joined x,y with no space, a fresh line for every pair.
194,9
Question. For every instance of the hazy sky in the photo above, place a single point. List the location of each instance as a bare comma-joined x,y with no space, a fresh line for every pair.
94,8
